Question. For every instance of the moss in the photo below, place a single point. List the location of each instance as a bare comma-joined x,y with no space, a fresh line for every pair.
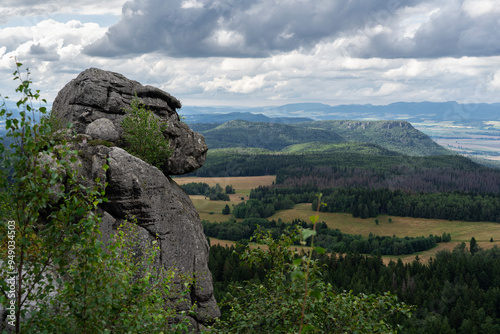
96,142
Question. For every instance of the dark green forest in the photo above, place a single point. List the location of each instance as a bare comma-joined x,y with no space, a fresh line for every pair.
365,202
215,193
245,162
457,292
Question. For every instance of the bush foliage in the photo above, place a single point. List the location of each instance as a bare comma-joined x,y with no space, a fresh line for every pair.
56,272
292,298
144,135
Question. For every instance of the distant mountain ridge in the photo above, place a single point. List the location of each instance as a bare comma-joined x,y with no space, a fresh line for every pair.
245,116
396,136
410,111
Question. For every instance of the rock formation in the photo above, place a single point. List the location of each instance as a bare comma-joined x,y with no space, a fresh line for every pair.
94,103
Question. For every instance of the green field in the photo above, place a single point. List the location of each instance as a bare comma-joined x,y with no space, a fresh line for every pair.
400,226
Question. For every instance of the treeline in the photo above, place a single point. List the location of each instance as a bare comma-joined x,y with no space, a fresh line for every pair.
332,240
214,193
262,209
234,162
327,170
368,202
336,241
364,203
457,292
264,201
414,178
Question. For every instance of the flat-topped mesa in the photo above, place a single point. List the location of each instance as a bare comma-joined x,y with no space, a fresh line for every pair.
95,102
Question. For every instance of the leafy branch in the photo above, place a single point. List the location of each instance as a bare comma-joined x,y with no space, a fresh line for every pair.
143,132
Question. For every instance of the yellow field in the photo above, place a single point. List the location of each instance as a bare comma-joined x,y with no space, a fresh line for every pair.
212,210
242,185
403,226
400,226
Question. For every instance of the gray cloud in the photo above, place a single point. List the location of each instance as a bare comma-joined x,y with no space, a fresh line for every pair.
451,32
232,28
43,53
235,28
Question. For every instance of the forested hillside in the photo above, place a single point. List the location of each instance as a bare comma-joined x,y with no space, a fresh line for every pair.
272,136
251,162
397,136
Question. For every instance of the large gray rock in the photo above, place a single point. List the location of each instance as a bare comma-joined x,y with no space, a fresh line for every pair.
104,129
136,191
96,95
141,193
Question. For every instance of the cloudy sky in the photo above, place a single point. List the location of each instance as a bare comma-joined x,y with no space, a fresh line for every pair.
263,52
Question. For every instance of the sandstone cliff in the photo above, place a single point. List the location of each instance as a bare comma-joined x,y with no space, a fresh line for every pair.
94,103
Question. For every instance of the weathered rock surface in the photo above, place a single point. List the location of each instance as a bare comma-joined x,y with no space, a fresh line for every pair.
97,95
162,210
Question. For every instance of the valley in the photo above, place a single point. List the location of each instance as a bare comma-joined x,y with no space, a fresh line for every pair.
406,211
477,140
461,231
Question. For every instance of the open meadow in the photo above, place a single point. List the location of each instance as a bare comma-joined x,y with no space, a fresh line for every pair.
460,231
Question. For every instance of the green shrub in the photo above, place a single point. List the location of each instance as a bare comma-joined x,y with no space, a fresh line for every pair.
54,122
46,212
278,304
113,289
143,133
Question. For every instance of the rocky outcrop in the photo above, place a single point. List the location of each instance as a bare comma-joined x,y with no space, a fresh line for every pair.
95,102
137,191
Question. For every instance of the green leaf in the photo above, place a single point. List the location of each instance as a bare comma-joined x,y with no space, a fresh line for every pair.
313,219
307,233
308,328
297,275
319,250
317,294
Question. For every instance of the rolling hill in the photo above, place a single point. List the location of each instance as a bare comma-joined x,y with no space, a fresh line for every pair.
398,136
318,136
271,136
